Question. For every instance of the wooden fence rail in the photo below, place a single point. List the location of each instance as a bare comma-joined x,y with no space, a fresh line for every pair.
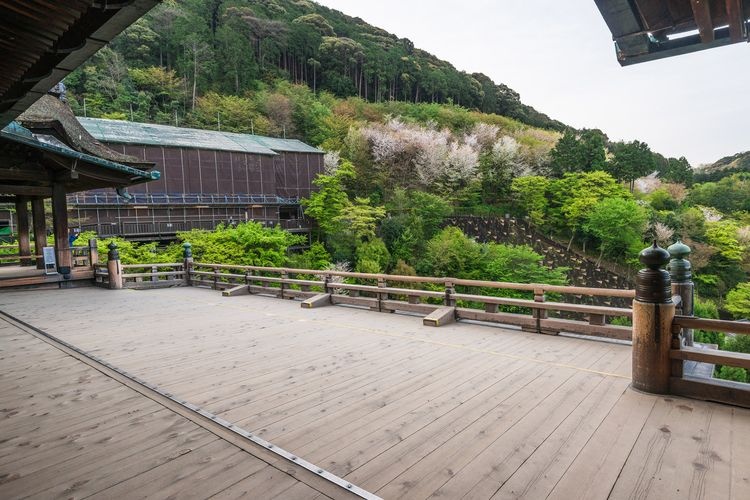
424,294
711,389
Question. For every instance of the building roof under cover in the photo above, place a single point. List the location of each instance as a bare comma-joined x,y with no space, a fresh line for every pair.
124,132
645,30
42,41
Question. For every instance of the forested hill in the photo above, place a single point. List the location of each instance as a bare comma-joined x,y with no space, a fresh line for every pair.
724,167
184,49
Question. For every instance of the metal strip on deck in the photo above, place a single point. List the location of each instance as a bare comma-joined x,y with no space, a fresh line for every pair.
208,417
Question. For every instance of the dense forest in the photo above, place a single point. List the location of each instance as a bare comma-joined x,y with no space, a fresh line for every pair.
411,140
185,49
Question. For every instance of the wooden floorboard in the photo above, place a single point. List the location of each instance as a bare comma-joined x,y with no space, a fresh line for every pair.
124,446
406,411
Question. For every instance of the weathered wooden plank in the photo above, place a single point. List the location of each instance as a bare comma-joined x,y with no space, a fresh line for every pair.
718,325
440,316
235,291
324,299
598,464
717,390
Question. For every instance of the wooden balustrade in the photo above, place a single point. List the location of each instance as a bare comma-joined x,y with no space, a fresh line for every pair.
424,294
153,275
711,389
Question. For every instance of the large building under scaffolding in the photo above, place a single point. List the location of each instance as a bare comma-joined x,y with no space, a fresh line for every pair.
208,178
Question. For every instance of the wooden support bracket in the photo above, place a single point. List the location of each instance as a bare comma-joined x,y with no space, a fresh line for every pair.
440,316
324,299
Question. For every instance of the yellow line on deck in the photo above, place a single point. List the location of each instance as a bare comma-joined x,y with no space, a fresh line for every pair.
436,342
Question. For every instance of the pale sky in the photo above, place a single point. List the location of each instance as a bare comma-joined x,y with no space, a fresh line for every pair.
559,55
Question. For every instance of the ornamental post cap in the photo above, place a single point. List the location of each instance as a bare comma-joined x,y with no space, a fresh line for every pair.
653,257
112,245
679,250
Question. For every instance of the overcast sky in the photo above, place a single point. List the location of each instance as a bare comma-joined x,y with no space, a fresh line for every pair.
558,54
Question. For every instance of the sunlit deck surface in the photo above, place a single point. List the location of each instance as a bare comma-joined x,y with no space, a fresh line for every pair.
399,409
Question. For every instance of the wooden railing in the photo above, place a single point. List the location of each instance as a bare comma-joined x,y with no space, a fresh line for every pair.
468,299
712,389
80,256
153,275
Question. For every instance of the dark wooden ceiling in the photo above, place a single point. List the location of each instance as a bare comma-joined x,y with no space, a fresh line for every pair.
645,30
41,41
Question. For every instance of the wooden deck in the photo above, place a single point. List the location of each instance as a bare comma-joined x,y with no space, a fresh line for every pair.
401,410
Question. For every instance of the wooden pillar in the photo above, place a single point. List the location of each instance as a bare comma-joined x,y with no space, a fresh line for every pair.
653,313
114,267
40,230
60,225
22,217
680,271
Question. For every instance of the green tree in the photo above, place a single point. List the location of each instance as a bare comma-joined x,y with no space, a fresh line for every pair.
579,152
631,160
617,224
530,195
329,202
573,197
738,301
451,253
361,219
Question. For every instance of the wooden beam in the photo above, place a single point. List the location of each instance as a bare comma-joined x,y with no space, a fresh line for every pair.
40,229
22,216
720,391
735,19
60,224
237,290
22,174
324,299
702,16
25,190
440,316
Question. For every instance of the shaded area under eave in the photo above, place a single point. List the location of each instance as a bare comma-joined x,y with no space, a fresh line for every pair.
646,30
42,41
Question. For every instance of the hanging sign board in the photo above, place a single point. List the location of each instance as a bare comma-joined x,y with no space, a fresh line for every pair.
50,263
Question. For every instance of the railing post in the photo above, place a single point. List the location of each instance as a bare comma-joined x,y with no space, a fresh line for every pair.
449,291
682,282
282,286
653,313
93,253
114,267
187,263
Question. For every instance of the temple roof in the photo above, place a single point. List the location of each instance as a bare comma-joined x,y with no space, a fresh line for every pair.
124,132
30,163
645,30
51,116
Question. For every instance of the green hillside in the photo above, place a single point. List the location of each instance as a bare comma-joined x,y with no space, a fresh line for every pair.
724,167
158,69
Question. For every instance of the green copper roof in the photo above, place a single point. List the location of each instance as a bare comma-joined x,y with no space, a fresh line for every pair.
124,132
16,133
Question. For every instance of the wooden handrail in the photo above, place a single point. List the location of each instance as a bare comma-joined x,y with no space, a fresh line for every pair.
141,266
716,357
530,287
718,325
